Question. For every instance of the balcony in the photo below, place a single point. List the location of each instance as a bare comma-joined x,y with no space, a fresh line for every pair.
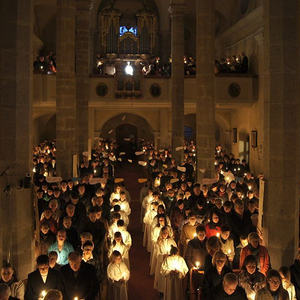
230,89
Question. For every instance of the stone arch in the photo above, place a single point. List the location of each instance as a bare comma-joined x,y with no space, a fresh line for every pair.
144,129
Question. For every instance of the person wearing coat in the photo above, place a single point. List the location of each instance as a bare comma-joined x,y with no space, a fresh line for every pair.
250,279
229,289
42,279
259,252
214,275
273,289
80,279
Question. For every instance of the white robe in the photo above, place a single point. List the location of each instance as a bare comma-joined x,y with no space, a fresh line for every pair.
123,249
150,214
161,250
173,289
114,196
117,290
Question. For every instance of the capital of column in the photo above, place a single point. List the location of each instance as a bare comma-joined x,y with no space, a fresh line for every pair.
177,9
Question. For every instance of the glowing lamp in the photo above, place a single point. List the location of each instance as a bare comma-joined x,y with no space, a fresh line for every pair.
129,69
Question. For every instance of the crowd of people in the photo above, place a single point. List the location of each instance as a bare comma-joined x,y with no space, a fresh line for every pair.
202,239
45,64
232,64
148,68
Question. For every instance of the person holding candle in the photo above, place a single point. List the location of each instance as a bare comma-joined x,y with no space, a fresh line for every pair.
118,245
118,275
227,245
195,258
214,276
273,289
213,227
80,279
174,269
240,221
162,249
250,279
42,279
188,232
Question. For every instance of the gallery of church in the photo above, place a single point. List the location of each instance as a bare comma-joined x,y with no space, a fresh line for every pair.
149,149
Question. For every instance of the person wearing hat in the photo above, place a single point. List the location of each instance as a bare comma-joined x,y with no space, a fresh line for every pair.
259,252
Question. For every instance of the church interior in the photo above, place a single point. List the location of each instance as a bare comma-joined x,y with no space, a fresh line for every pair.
149,149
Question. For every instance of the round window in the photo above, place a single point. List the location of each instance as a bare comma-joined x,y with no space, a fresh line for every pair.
101,89
234,90
155,90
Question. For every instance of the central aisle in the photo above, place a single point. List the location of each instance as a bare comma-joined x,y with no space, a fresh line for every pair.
140,285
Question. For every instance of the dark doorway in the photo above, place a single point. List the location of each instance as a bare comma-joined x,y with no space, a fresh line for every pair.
126,136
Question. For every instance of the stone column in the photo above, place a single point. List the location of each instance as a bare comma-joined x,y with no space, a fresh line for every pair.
16,209
205,111
82,73
65,87
164,127
177,78
281,114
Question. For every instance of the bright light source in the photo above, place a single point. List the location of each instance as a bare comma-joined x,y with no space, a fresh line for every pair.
129,69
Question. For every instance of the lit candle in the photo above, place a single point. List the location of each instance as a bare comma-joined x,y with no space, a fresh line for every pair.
75,298
197,264
229,252
34,170
249,187
195,235
43,294
218,234
216,163
95,171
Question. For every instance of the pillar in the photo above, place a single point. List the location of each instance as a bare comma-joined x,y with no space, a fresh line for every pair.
164,127
177,78
16,209
281,108
65,87
82,74
205,107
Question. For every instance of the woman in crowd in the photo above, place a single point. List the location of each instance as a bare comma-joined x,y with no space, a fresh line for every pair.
17,288
174,269
213,227
259,252
118,245
214,276
250,279
162,249
118,275
273,289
